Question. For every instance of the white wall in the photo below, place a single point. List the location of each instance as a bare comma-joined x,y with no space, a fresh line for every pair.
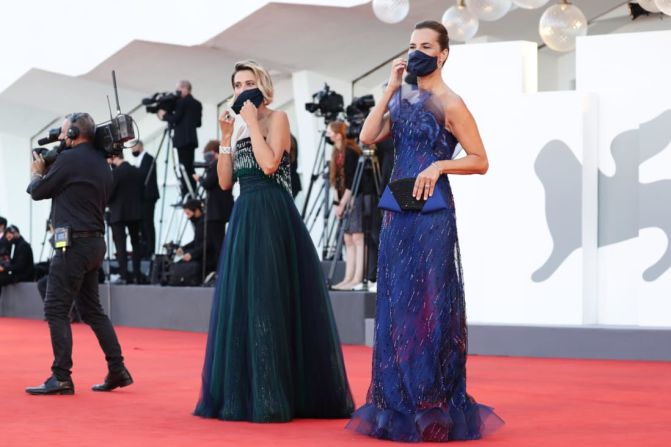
14,177
635,162
611,138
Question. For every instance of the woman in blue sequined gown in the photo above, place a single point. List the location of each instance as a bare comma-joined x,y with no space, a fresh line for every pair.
418,388
273,352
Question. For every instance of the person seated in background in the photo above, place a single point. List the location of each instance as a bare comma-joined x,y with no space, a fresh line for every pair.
125,205
19,267
193,251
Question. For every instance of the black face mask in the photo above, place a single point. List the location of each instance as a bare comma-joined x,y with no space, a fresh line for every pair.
421,64
254,95
329,141
209,157
136,154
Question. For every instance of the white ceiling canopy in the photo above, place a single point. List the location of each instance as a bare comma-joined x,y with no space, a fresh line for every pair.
341,42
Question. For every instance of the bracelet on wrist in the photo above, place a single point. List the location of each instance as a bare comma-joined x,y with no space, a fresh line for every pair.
226,150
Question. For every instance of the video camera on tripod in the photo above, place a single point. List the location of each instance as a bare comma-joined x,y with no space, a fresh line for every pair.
161,101
110,136
326,103
356,114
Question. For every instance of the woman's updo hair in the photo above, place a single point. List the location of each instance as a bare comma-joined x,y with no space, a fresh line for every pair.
263,81
443,39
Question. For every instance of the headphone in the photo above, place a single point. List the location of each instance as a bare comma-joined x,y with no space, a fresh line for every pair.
73,132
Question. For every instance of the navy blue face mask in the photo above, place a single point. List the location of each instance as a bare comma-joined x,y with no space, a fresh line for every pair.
421,64
254,95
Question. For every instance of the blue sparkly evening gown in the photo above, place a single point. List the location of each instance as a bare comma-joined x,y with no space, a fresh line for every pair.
273,352
418,388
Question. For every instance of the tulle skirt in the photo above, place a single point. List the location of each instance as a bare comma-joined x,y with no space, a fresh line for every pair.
273,352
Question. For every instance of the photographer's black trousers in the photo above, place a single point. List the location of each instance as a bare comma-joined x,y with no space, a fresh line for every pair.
73,275
119,236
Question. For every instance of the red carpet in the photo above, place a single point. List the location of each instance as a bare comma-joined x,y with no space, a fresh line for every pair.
546,403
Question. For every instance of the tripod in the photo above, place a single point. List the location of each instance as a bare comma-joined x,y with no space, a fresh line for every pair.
180,173
321,203
367,160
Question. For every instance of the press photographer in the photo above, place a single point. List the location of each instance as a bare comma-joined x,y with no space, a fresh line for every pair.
125,205
184,119
144,162
187,268
78,182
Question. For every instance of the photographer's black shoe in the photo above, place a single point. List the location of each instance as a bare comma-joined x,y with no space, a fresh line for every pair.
52,386
114,380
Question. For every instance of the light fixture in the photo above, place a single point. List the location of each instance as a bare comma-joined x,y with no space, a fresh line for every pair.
489,10
561,24
530,4
460,22
664,6
391,11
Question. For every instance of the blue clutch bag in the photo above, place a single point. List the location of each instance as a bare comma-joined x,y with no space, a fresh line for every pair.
397,197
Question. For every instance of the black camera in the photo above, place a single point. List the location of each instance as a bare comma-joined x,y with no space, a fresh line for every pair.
111,135
356,114
49,155
326,103
161,101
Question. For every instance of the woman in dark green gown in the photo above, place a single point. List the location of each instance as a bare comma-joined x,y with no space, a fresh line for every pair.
273,352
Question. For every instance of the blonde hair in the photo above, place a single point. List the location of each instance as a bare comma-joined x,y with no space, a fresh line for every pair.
263,80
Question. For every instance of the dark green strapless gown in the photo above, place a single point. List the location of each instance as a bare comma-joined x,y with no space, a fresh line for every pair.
273,352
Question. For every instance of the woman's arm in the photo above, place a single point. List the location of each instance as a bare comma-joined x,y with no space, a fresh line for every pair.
225,161
269,151
225,171
460,122
377,125
340,209
462,125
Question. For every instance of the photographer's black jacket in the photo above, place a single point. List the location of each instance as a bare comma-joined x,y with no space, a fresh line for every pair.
219,202
79,182
151,187
195,247
185,119
125,200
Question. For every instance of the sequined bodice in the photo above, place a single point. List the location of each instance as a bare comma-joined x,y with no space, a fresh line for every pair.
245,164
418,131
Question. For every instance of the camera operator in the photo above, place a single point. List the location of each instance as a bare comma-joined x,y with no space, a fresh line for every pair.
78,182
125,204
219,205
144,162
184,120
19,268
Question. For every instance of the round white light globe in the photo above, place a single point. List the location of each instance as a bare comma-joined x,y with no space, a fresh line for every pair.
560,25
391,11
461,23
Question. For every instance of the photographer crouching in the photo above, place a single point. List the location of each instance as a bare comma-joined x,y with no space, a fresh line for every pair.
79,183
